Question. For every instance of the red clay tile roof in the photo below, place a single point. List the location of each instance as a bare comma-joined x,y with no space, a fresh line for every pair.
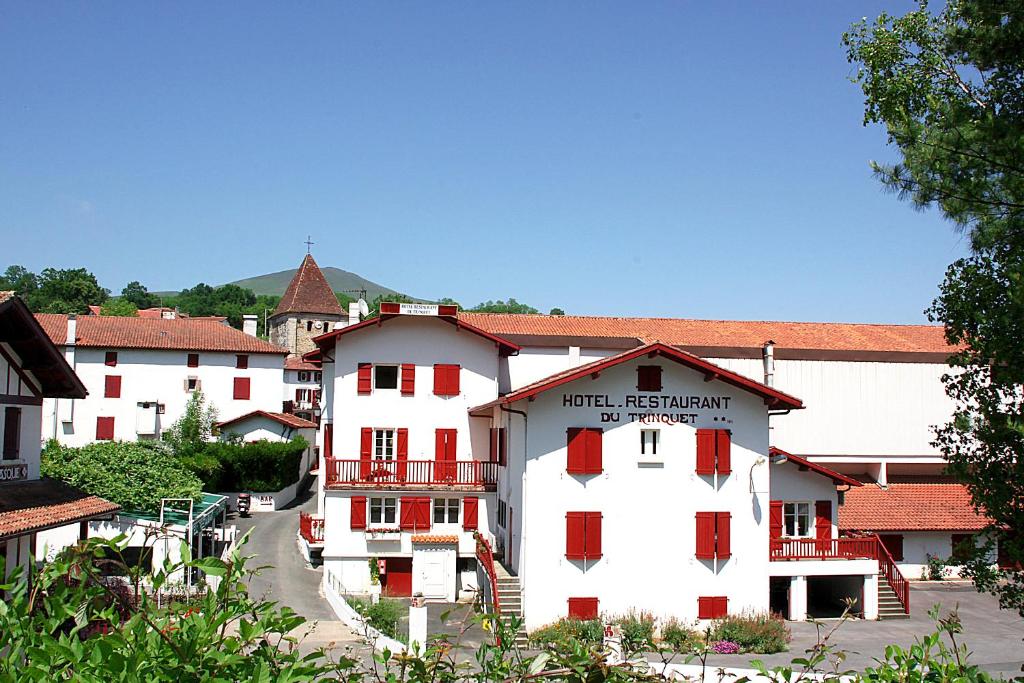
27,507
435,538
720,333
190,334
309,292
287,419
294,362
942,506
505,347
776,398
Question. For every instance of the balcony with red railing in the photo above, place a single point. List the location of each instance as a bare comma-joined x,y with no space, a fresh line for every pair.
311,528
822,549
468,474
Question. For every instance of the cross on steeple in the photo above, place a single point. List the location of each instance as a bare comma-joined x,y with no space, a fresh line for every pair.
308,243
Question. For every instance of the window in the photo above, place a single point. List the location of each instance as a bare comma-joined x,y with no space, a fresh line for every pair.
715,607
104,428
383,510
111,359
584,609
446,511
309,326
796,520
385,376
318,377
649,441
583,446
894,544
502,512
193,384
241,389
414,514
583,535
713,535
193,360
446,379
498,446
242,361
112,386
648,378
12,433
303,375
714,451
303,395
963,547
383,444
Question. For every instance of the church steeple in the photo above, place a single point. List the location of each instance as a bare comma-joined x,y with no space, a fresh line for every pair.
309,292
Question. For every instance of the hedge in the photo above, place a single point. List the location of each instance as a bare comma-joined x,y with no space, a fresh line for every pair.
135,475
259,466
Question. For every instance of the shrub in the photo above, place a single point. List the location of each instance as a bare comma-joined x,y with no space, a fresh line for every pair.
135,475
679,636
383,615
260,466
725,647
759,633
936,569
637,630
588,632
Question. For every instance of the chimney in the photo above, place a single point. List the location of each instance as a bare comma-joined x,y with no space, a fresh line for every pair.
249,324
353,312
768,356
72,330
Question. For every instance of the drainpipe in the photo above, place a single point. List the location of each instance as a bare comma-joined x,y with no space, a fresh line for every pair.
768,358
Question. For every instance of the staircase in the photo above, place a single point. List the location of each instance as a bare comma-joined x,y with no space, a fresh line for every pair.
510,597
889,605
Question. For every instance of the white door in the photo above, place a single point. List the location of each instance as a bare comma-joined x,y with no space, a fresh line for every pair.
434,575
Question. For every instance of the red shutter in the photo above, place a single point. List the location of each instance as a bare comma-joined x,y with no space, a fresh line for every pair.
584,609
364,382
193,360
775,520
592,458
112,386
648,378
422,514
721,607
403,452
408,379
823,520
454,373
705,451
469,512
358,512
446,379
298,395
12,433
104,428
723,441
241,362
494,445
592,535
705,536
575,529
502,447
705,608
241,389
110,359
576,449
723,521
329,440
365,451
440,380
407,513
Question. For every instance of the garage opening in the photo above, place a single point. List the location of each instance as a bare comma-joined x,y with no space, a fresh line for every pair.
778,595
827,596
396,579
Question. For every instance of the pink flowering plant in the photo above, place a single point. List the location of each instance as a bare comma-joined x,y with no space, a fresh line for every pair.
725,647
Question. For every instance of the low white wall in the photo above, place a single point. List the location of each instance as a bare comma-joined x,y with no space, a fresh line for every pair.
351,618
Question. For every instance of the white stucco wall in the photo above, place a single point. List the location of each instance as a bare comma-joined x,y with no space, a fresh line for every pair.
159,376
29,422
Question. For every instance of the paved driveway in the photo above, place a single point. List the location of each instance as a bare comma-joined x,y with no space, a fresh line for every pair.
994,636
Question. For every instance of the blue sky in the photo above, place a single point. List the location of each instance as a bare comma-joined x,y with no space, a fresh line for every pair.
675,159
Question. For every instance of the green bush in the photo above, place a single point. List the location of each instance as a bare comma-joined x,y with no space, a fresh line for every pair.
383,615
679,636
135,475
588,632
260,466
759,633
637,630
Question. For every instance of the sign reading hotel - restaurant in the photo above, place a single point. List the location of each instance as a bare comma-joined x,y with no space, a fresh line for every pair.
13,472
648,409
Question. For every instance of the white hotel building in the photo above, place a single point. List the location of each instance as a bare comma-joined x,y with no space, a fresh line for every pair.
688,468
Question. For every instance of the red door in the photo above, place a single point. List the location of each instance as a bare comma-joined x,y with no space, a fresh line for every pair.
444,455
396,581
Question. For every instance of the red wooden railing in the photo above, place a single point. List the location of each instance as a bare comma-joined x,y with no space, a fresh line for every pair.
887,567
411,472
485,556
311,528
818,549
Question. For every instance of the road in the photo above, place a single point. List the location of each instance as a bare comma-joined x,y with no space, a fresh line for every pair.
286,578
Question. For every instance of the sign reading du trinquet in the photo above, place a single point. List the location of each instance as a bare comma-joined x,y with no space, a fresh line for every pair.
648,409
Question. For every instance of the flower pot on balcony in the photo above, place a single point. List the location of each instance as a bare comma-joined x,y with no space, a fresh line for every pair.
383,534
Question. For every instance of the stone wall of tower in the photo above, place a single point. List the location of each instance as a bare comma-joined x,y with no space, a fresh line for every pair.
296,332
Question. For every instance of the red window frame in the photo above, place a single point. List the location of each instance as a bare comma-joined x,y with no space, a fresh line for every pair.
584,609
584,447
112,386
104,429
447,379
241,389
